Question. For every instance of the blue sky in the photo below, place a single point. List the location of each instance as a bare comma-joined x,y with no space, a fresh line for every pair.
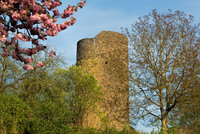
111,15
107,15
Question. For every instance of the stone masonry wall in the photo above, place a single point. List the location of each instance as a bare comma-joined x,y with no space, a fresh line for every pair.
106,57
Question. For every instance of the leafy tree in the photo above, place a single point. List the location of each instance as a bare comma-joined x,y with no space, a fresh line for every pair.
42,116
187,115
82,92
35,89
164,61
49,116
48,112
39,83
58,100
15,114
31,21
11,72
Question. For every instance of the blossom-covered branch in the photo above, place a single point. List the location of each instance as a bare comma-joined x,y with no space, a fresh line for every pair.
31,21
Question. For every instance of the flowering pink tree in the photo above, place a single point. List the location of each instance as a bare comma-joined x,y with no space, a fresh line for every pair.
31,21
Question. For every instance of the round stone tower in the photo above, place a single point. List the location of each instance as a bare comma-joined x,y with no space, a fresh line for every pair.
106,57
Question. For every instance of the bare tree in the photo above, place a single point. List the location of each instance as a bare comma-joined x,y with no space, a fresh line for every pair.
164,61
187,115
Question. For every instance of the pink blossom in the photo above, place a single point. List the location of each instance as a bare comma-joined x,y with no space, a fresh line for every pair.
35,7
55,19
7,43
37,21
56,13
52,53
5,50
3,38
48,4
35,17
28,60
43,38
69,11
28,67
23,11
22,37
49,32
58,28
43,25
53,26
35,41
55,32
63,26
49,22
14,55
5,54
44,17
19,36
28,52
34,50
20,50
82,3
1,26
4,6
16,16
40,64
55,4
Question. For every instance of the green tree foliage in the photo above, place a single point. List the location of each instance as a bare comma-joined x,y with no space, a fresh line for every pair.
82,92
10,72
187,115
15,114
46,116
45,100
49,117
34,89
164,63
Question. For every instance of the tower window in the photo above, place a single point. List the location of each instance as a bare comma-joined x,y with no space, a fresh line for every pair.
94,41
106,62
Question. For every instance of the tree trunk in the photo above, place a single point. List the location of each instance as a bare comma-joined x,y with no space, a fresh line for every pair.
164,125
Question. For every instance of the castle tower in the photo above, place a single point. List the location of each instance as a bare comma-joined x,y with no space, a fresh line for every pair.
106,57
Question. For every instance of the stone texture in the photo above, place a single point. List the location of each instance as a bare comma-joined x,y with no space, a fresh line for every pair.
106,57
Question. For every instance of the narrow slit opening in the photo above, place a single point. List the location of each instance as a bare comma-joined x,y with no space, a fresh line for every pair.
94,42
